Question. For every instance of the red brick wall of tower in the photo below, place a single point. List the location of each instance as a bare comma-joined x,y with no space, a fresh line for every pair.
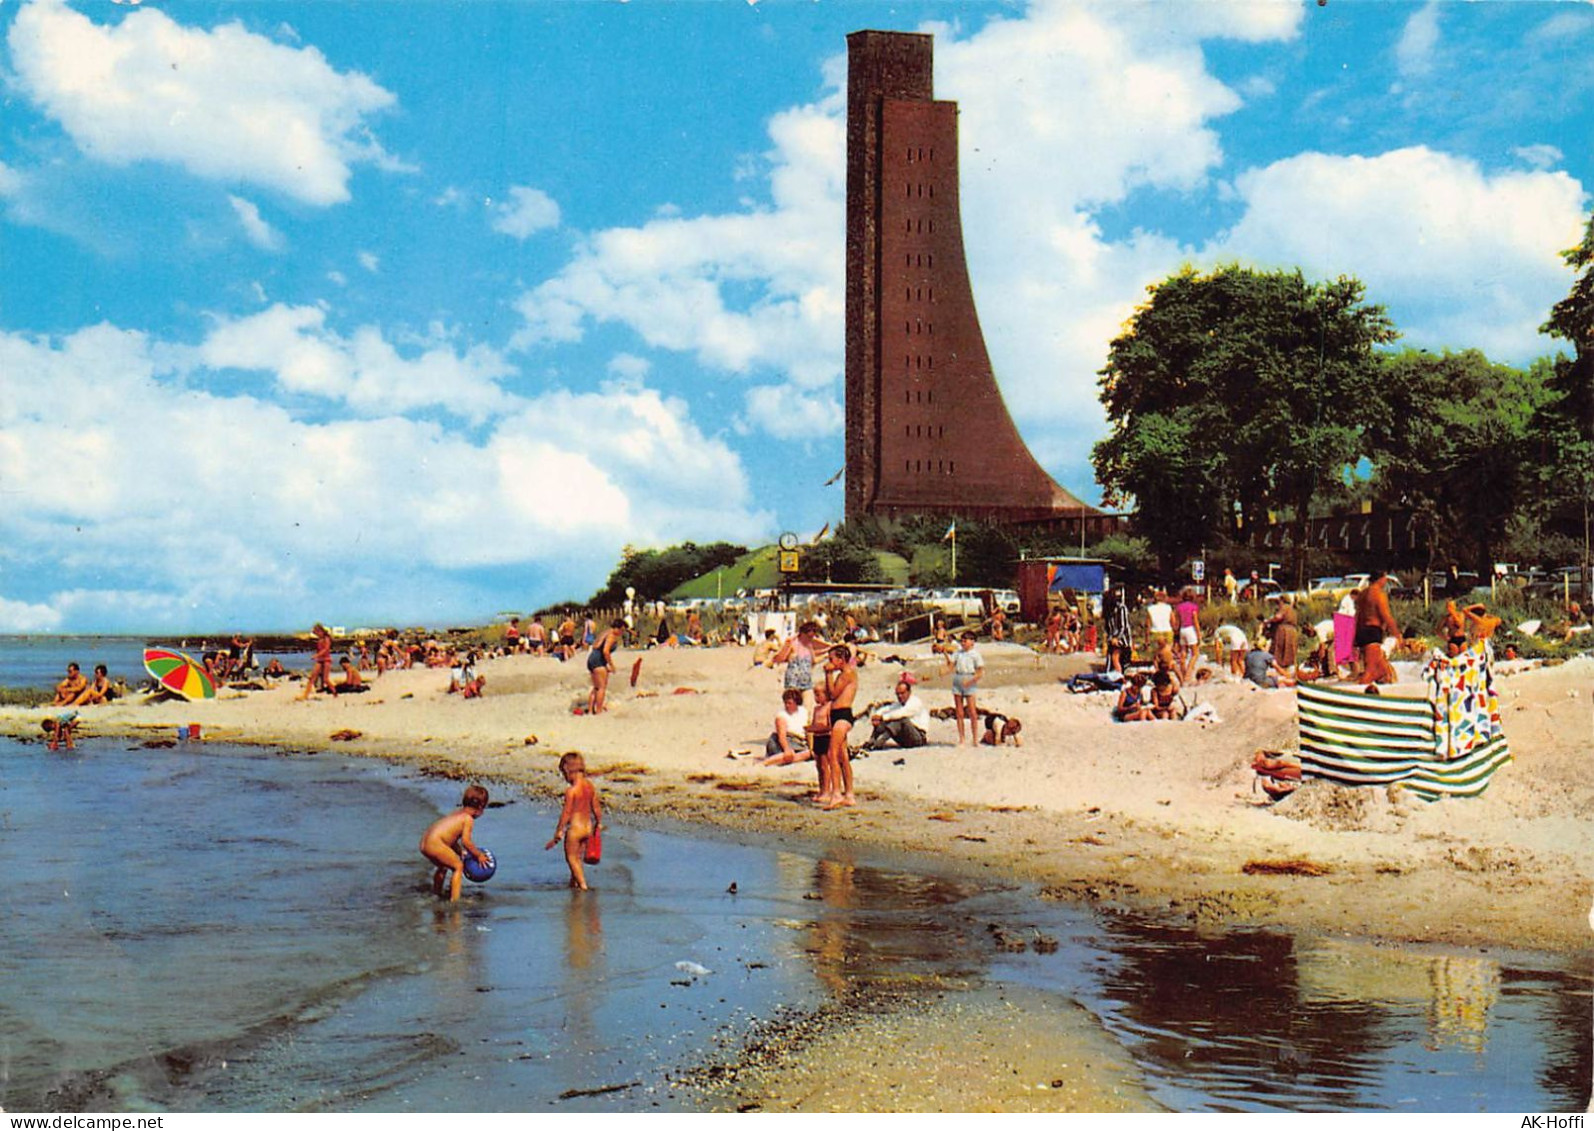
927,429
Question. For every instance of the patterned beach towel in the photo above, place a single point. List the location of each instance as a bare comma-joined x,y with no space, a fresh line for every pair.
1466,705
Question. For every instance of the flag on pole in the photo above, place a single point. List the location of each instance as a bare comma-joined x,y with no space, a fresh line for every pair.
823,530
835,477
951,532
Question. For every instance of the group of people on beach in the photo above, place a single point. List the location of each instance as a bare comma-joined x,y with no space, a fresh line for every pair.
450,840
1353,644
822,732
74,691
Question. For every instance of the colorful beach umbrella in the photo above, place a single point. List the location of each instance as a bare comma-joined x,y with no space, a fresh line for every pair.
176,672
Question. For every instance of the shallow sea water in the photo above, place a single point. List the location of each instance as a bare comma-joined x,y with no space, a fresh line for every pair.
40,661
207,927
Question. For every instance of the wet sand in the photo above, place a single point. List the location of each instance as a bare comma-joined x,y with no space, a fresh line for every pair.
1156,818
997,1048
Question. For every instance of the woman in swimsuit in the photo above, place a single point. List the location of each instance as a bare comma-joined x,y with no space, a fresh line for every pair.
841,687
1132,706
600,662
798,656
99,690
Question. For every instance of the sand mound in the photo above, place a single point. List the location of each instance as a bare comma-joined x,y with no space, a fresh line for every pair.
1340,808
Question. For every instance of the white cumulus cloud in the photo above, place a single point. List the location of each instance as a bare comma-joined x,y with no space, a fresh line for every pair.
364,370
671,278
225,104
1539,156
788,413
21,617
526,212
757,293
187,506
10,180
1461,257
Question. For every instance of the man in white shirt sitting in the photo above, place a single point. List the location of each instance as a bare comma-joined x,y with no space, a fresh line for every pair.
905,724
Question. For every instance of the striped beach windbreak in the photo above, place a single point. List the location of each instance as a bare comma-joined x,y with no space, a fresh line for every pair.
1448,744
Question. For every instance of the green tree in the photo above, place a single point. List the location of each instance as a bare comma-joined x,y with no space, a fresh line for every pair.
1236,393
1453,442
1564,430
653,573
847,556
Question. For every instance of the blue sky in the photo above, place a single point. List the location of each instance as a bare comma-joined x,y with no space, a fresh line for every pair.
414,312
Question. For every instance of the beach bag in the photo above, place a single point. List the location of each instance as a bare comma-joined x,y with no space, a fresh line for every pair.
594,854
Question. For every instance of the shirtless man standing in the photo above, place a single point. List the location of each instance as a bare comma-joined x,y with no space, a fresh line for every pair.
1374,624
841,684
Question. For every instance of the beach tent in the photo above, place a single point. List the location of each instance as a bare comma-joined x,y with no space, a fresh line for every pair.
1447,744
1087,577
1039,577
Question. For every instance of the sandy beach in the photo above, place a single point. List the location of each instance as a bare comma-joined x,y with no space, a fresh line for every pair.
1156,818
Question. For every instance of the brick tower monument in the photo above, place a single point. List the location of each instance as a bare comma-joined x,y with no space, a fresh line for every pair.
927,431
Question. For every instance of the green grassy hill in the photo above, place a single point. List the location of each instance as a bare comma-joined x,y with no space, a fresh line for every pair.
760,569
930,560
756,569
894,566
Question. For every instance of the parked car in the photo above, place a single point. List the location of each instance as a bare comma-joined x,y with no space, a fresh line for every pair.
1560,583
953,602
970,603
1006,600
1323,586
1351,582
1397,590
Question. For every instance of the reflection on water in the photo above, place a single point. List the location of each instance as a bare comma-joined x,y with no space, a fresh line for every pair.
877,929
221,930
1243,1021
1256,1021
584,967
1454,991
